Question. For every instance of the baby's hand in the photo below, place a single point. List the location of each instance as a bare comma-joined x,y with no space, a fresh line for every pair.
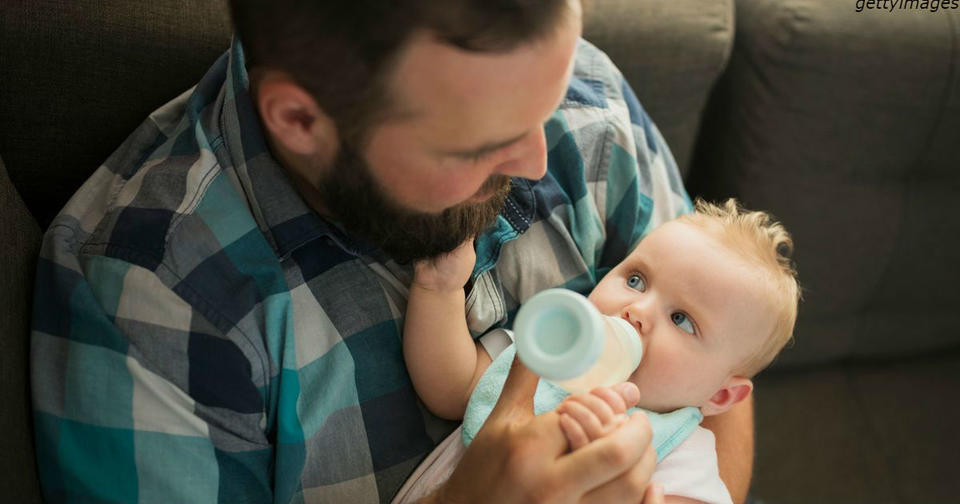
448,272
586,417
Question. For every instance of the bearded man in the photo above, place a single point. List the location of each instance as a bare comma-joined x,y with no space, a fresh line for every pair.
220,305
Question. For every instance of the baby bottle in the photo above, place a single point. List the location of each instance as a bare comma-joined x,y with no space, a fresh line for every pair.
563,338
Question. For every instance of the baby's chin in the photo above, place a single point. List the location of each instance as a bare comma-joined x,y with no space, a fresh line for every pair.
655,402
658,408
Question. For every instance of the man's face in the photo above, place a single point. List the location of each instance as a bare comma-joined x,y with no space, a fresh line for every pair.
438,172
699,308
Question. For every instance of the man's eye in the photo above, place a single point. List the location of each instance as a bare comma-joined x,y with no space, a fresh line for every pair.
682,321
480,156
636,281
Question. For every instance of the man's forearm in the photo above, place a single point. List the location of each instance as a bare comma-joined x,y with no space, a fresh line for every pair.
734,432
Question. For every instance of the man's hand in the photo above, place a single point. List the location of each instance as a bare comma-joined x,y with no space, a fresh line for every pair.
519,458
587,417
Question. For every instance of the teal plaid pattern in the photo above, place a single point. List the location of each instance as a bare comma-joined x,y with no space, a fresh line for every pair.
200,335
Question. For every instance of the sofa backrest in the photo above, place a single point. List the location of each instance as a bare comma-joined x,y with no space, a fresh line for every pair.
846,125
671,53
78,77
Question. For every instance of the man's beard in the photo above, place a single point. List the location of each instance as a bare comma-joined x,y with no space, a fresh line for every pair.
362,206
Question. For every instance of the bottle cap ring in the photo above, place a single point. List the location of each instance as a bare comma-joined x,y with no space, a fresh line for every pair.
559,334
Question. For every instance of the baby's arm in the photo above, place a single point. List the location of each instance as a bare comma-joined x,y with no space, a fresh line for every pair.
443,360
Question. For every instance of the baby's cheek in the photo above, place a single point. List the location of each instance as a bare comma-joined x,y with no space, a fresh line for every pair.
598,298
663,367
606,298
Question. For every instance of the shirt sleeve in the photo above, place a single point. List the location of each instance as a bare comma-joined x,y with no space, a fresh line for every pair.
691,470
628,168
131,402
643,184
496,341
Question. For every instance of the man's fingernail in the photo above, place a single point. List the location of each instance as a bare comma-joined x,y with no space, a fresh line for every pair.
630,392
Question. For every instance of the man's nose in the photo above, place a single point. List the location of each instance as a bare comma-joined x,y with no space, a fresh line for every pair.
530,161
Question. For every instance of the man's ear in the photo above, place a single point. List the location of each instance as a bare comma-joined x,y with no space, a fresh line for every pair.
734,390
292,117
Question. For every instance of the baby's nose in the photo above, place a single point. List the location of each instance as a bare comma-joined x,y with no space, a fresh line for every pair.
633,320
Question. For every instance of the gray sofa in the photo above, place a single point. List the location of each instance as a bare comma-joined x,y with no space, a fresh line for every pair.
845,125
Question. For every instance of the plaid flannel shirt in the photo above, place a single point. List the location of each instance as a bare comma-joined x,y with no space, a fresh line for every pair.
201,335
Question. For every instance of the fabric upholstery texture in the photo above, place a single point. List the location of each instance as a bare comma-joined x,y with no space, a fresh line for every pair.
844,126
882,433
19,243
73,74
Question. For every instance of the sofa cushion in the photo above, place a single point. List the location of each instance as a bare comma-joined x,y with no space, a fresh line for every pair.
19,244
671,54
844,125
873,432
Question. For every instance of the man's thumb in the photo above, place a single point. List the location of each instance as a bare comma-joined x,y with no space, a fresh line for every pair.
516,399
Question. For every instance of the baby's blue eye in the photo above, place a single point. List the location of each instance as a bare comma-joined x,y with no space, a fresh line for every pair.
635,281
682,321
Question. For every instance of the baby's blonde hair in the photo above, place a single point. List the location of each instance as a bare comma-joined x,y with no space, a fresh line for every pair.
762,241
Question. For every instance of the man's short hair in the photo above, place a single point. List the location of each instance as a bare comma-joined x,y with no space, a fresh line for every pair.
341,51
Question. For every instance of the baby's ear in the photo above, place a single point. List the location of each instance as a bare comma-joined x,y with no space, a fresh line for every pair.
734,390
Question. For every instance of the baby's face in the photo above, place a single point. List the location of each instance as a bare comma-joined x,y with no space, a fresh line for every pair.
699,308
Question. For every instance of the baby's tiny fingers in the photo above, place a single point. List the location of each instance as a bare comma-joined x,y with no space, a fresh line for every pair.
574,433
598,406
613,399
588,421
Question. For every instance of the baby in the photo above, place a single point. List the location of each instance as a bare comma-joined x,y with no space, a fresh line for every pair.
712,296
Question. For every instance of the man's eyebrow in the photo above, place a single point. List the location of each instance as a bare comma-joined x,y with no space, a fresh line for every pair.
485,148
